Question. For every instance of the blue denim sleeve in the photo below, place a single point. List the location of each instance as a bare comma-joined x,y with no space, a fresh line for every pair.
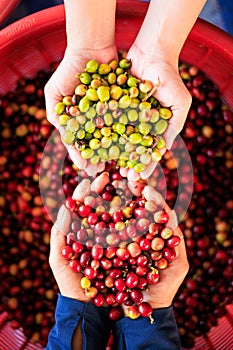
140,334
95,325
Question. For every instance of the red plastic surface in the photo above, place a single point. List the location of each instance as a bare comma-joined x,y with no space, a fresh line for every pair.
33,43
6,7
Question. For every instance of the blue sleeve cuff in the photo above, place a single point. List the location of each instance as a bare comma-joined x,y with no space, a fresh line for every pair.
95,325
141,334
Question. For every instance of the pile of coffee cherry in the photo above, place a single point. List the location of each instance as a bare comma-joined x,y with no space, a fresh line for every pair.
113,115
120,243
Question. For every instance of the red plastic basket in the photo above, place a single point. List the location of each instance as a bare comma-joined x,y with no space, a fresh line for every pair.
34,42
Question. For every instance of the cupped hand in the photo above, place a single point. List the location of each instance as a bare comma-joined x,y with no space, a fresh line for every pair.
162,294
68,281
63,82
171,92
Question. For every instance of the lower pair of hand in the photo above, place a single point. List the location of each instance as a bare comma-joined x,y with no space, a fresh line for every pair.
159,295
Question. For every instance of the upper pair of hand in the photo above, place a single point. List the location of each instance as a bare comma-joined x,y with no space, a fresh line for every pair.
170,93
159,295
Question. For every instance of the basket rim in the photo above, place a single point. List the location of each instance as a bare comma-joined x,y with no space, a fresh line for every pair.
202,32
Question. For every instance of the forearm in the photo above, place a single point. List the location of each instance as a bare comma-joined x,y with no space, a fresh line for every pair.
79,326
167,25
90,23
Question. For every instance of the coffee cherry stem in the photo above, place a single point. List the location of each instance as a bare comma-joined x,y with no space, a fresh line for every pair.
152,320
152,91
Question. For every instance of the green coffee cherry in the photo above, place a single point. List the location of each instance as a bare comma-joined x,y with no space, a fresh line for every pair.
104,69
85,78
125,63
160,127
92,66
139,167
156,155
112,78
144,128
165,113
60,107
116,92
84,104
68,137
89,127
103,93
80,90
132,82
67,100
124,102
91,113
114,152
94,143
92,95
63,119
87,153
161,143
73,125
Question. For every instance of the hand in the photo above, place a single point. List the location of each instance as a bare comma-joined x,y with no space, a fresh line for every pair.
171,92
162,294
69,281
63,82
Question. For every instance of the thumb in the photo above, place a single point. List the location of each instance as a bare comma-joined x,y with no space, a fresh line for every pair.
62,224
58,236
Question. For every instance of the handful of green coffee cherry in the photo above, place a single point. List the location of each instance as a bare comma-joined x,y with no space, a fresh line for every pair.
112,115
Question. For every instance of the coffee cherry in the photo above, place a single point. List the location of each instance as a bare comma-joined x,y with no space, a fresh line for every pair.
145,310
99,299
132,312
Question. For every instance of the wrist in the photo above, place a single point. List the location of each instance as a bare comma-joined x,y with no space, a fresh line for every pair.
156,51
90,24
157,306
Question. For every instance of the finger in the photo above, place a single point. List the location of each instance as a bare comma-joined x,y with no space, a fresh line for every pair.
52,117
176,123
62,224
52,96
93,169
169,136
136,187
148,171
82,190
76,157
124,171
152,195
172,221
100,182
181,252
133,176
